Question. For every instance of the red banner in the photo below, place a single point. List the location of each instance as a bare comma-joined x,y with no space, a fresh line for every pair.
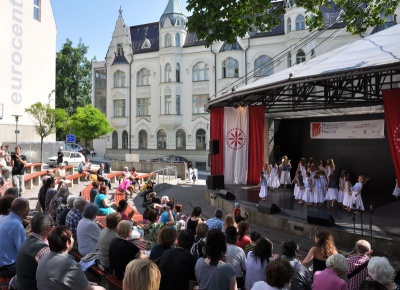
391,102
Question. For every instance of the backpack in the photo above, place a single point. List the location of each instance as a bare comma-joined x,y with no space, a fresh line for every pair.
80,168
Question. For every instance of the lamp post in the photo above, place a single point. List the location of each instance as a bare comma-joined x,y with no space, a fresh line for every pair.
16,128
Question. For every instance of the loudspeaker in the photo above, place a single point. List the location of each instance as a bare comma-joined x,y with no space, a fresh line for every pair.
226,195
268,207
215,181
214,147
320,218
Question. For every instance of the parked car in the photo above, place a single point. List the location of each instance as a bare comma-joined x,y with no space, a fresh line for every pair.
172,159
73,147
70,158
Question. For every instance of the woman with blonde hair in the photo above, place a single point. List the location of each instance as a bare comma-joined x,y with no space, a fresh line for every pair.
229,221
141,275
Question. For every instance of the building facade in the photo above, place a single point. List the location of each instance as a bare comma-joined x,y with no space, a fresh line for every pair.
28,58
157,77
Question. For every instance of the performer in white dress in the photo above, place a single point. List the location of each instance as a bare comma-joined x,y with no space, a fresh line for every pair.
341,187
396,191
285,174
273,180
298,186
307,193
318,192
348,197
356,189
332,192
263,183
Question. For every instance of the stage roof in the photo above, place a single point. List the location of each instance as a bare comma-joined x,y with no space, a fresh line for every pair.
350,76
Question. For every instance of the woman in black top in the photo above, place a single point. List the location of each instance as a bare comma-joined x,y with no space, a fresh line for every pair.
195,219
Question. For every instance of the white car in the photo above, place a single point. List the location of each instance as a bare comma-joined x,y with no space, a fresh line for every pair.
70,158
73,147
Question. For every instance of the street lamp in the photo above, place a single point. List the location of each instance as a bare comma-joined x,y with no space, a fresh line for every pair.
16,128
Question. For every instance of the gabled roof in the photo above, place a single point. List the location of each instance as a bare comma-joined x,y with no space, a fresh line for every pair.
120,59
140,33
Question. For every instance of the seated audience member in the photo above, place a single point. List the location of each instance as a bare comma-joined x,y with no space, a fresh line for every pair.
152,228
88,166
212,272
165,215
243,238
88,231
135,175
355,274
301,278
372,285
254,238
106,236
3,185
197,249
126,186
235,255
60,173
257,261
278,275
57,269
31,251
177,265
194,220
12,234
125,174
63,214
166,240
86,170
42,193
75,215
5,205
101,176
122,206
149,189
330,278
140,275
5,169
379,269
123,251
59,199
229,221
101,201
13,191
50,191
94,191
216,222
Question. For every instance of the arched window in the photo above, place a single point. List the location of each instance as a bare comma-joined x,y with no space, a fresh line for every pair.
300,23
143,77
180,139
178,73
230,68
167,72
125,139
119,79
200,139
177,40
161,139
200,72
167,40
263,66
114,140
142,139
289,59
300,56
289,25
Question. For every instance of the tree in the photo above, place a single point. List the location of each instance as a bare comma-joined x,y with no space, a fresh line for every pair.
89,123
61,120
73,77
224,20
44,118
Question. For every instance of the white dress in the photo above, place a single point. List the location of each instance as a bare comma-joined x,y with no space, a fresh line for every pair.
273,180
357,196
285,175
348,197
324,183
318,195
264,188
340,194
307,193
396,191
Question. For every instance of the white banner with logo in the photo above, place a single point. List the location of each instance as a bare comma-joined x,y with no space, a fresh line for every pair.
369,129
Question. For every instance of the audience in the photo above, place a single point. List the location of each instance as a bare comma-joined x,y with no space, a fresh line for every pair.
88,231
229,221
358,271
194,220
5,205
278,276
75,215
235,255
254,238
166,240
243,238
379,269
63,214
197,249
122,206
141,275
216,222
94,191
330,277
101,201
152,228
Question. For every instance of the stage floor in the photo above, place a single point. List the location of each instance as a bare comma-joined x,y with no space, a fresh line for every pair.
385,218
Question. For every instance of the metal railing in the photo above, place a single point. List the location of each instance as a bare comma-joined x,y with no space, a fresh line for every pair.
164,177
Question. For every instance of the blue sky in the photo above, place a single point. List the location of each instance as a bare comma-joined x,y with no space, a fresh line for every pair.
94,20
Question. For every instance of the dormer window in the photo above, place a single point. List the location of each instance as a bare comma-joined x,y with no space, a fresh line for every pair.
177,40
120,49
167,40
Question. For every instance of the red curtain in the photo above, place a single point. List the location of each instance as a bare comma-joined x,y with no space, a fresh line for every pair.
256,144
217,133
391,102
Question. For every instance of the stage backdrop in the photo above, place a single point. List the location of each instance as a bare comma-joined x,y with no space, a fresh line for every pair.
240,132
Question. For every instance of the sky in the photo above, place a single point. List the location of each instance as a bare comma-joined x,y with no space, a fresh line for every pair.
93,21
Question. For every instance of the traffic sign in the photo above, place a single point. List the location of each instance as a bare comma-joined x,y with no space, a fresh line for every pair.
71,138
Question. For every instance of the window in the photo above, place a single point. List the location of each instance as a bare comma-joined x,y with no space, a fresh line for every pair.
198,103
230,68
167,40
119,79
142,139
178,73
300,56
114,140
263,66
289,59
201,139
119,108
167,105
178,104
36,9
180,139
143,107
143,77
200,72
100,88
161,139
177,40
300,23
289,25
120,49
125,139
167,71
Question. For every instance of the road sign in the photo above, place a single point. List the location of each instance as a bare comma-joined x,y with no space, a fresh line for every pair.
71,138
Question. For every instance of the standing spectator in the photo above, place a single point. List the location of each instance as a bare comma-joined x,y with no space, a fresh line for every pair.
18,161
106,236
88,231
60,157
213,273
197,249
177,265
101,176
141,274
278,275
257,261
380,270
94,191
194,220
49,192
31,251
235,256
243,238
329,279
358,263
12,234
301,278
75,215
216,222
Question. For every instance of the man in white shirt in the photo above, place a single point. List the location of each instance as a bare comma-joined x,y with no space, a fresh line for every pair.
6,170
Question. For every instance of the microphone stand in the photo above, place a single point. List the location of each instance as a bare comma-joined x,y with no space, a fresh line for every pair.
354,218
371,211
361,217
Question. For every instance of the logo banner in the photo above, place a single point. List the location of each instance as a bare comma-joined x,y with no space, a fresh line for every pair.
368,129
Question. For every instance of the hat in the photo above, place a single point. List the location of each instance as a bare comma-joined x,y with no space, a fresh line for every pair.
83,162
62,164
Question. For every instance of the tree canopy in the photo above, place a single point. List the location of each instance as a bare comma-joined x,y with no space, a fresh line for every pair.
224,20
73,77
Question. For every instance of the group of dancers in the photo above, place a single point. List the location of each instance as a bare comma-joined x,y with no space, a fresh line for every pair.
314,183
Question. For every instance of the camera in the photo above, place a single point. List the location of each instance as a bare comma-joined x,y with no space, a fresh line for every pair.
12,154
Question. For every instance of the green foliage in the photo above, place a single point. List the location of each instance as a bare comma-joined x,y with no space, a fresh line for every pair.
61,119
224,20
89,123
73,77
